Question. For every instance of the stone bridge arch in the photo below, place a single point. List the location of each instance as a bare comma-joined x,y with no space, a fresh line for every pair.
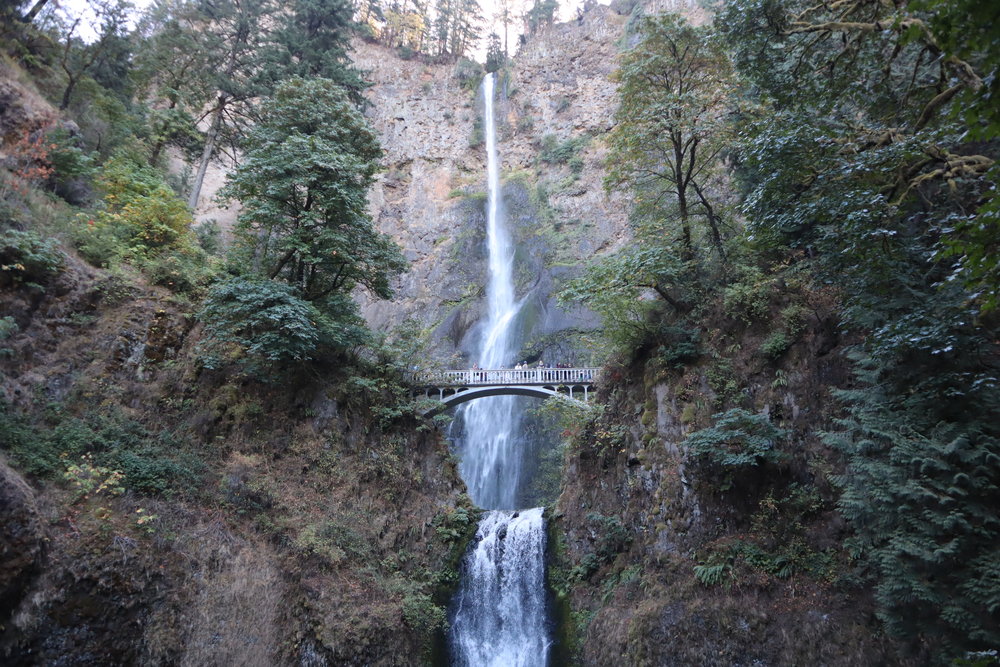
465,395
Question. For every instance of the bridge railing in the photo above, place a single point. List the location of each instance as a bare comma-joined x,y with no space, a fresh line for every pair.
504,376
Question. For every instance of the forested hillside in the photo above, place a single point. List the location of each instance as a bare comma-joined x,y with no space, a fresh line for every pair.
814,196
773,222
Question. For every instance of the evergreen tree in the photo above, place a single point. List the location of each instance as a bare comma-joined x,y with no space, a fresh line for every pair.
312,41
542,12
174,69
457,26
442,25
303,189
235,39
495,57
861,157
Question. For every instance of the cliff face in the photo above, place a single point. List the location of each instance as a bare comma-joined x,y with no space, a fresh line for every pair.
253,523
431,197
665,556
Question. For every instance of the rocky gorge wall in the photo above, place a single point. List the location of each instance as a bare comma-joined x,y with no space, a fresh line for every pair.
251,523
431,198
665,556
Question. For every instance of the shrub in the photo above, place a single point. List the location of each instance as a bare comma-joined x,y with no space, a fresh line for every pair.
612,536
681,346
747,297
141,217
186,269
333,542
89,479
72,166
209,235
263,320
554,151
477,137
712,574
422,615
32,454
775,345
469,73
739,439
25,257
8,327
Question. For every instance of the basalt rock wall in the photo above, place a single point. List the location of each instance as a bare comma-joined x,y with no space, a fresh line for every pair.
431,197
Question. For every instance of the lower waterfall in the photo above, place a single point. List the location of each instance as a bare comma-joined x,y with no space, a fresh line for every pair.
500,611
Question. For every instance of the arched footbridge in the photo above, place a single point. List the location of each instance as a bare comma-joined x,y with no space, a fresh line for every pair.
455,387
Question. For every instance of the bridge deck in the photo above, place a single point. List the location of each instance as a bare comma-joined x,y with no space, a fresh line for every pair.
506,377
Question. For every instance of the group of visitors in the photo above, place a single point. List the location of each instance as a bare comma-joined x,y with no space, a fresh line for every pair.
504,374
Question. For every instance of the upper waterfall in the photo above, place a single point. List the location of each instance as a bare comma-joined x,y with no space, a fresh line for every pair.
491,464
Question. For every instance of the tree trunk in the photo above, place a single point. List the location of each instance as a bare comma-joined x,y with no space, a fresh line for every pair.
67,93
713,223
206,155
33,12
688,251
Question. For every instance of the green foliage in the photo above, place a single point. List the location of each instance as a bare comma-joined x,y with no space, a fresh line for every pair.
776,344
70,162
26,257
93,480
616,288
890,188
726,564
268,323
303,189
612,537
144,223
713,573
28,451
334,540
209,235
469,74
311,41
187,269
453,526
155,468
542,12
922,498
478,136
554,151
422,615
747,296
8,327
672,124
680,346
495,57
147,463
738,440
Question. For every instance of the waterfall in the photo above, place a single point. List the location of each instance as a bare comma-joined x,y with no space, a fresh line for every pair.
499,613
490,463
500,616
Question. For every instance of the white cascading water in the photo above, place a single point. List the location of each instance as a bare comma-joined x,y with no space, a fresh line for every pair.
490,464
499,615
